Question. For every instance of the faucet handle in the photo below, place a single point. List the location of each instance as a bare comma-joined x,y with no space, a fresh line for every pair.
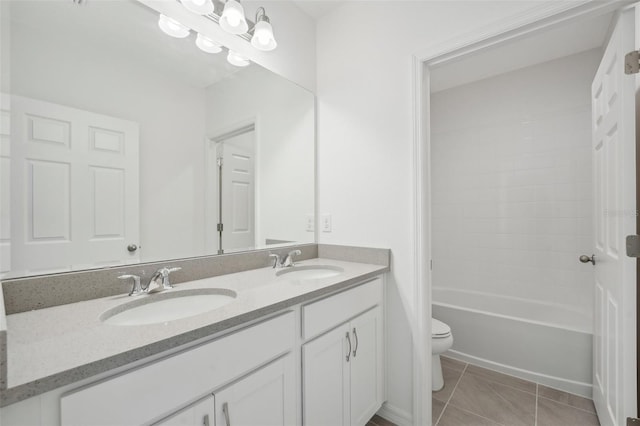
276,259
137,288
166,284
288,259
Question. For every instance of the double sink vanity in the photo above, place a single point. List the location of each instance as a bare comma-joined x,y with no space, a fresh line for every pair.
229,343
142,163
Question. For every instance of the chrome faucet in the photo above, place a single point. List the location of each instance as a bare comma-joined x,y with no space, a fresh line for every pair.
160,278
286,261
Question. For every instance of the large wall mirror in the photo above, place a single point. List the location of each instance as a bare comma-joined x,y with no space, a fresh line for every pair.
121,145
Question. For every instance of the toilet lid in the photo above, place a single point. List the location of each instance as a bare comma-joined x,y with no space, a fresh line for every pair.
439,329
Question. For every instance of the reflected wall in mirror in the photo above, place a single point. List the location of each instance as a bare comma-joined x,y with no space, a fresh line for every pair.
121,145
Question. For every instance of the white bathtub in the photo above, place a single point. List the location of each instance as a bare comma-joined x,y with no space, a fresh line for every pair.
544,343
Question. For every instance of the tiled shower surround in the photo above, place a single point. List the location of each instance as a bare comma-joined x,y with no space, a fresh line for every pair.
512,197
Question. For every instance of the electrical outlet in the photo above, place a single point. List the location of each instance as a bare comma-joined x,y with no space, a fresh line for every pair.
326,223
310,223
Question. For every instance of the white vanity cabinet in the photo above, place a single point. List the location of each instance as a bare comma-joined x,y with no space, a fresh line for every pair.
343,368
200,413
318,363
161,389
265,397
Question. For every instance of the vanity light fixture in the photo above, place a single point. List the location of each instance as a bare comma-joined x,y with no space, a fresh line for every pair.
232,19
201,7
263,32
207,45
172,27
237,59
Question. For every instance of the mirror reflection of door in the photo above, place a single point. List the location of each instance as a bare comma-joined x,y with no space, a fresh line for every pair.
67,163
236,189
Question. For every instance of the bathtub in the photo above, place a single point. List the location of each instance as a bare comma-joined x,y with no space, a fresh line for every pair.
545,343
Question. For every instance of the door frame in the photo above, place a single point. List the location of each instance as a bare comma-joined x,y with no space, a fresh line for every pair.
534,20
211,184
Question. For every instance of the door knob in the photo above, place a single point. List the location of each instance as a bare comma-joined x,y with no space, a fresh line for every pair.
132,247
586,259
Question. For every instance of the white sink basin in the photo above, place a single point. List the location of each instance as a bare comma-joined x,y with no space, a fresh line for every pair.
170,306
309,272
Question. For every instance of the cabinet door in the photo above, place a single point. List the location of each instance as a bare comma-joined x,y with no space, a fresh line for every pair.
197,414
325,367
366,366
265,397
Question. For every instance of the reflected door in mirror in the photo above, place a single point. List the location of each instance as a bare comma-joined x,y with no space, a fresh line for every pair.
74,200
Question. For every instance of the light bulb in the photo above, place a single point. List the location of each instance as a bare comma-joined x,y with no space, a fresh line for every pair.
237,59
232,19
201,7
207,45
172,27
263,35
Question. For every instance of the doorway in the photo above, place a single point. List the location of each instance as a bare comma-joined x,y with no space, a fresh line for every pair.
515,44
231,191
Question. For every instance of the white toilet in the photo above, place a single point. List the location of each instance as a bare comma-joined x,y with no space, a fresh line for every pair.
441,341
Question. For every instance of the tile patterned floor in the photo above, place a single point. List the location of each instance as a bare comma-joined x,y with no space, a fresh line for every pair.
379,421
474,396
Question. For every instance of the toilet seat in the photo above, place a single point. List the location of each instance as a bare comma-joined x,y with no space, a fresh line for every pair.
439,330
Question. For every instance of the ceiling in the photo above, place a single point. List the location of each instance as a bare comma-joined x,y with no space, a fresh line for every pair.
318,8
557,42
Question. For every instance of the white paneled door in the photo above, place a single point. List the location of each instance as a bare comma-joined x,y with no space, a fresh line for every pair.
238,188
613,120
74,182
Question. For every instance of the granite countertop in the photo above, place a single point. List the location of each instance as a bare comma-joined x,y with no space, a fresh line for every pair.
56,346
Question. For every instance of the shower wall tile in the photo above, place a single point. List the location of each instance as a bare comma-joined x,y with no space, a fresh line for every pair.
511,184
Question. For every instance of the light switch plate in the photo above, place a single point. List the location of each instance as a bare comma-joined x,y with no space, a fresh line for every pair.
326,223
310,223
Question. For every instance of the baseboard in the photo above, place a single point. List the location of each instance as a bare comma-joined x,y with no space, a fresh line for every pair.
577,388
395,415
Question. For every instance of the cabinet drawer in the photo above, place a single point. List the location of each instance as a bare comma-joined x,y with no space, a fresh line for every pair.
151,392
327,313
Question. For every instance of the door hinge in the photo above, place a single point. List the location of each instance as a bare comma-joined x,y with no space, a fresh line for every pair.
220,227
633,245
431,264
632,62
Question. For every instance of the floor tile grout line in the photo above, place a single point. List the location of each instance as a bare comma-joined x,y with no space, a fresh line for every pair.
535,418
569,405
477,415
446,404
504,384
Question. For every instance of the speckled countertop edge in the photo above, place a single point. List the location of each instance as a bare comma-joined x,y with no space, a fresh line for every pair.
47,350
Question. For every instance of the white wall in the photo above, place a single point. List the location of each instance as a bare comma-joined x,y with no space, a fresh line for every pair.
285,128
511,185
365,136
171,161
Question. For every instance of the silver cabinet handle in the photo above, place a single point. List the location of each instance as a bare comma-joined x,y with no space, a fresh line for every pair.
225,410
586,259
132,247
205,420
355,336
349,352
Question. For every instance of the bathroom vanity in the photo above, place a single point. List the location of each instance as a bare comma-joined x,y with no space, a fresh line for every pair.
300,345
111,176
